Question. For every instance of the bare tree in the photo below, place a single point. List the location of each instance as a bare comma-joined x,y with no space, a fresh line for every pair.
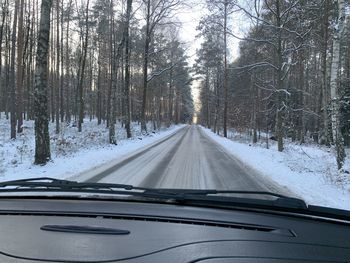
19,77
42,138
325,136
80,87
335,113
157,11
12,70
58,74
115,67
127,73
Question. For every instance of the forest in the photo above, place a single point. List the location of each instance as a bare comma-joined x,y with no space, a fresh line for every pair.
66,62
291,80
124,62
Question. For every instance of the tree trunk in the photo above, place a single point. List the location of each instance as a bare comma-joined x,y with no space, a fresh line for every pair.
112,114
145,68
57,82
99,104
115,67
7,67
42,138
335,109
62,93
12,70
225,70
217,105
301,128
19,81
82,71
127,75
67,72
254,109
3,88
325,136
207,96
170,96
280,106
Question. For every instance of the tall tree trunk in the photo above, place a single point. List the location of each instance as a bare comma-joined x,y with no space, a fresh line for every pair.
4,15
114,72
280,104
254,109
145,68
19,77
62,109
51,75
7,67
42,137
57,82
225,70
217,104
12,70
207,97
170,95
301,80
115,68
82,71
110,64
127,75
99,83
335,109
31,66
67,75
325,136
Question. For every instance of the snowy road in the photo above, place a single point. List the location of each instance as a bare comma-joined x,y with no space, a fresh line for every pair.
186,159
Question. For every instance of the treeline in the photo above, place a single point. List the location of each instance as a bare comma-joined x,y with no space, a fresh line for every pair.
292,76
109,60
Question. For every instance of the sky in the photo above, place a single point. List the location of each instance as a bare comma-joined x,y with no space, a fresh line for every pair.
189,18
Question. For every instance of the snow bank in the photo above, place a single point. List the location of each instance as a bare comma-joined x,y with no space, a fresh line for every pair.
72,152
308,171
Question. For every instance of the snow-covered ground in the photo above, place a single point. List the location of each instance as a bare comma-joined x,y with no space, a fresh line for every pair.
309,171
72,152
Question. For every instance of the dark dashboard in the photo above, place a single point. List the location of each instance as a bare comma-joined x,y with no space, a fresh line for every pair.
76,230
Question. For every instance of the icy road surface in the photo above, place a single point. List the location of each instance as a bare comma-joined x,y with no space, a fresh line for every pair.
185,159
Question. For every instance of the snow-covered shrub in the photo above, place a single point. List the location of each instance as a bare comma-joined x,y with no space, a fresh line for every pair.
63,146
23,148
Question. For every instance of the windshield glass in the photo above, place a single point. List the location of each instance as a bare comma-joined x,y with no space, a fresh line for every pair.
220,94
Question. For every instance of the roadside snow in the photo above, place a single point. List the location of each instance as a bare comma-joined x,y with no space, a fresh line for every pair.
72,152
308,171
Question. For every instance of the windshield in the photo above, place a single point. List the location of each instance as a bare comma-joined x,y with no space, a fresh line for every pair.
231,95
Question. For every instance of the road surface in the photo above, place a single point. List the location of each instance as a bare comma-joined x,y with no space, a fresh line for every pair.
186,159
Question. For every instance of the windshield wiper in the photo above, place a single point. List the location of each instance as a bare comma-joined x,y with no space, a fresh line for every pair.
211,198
214,198
47,184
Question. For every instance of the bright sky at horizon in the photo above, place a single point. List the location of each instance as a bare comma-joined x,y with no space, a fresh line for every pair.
189,18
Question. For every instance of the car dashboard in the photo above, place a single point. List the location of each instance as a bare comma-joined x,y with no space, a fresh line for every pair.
85,230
